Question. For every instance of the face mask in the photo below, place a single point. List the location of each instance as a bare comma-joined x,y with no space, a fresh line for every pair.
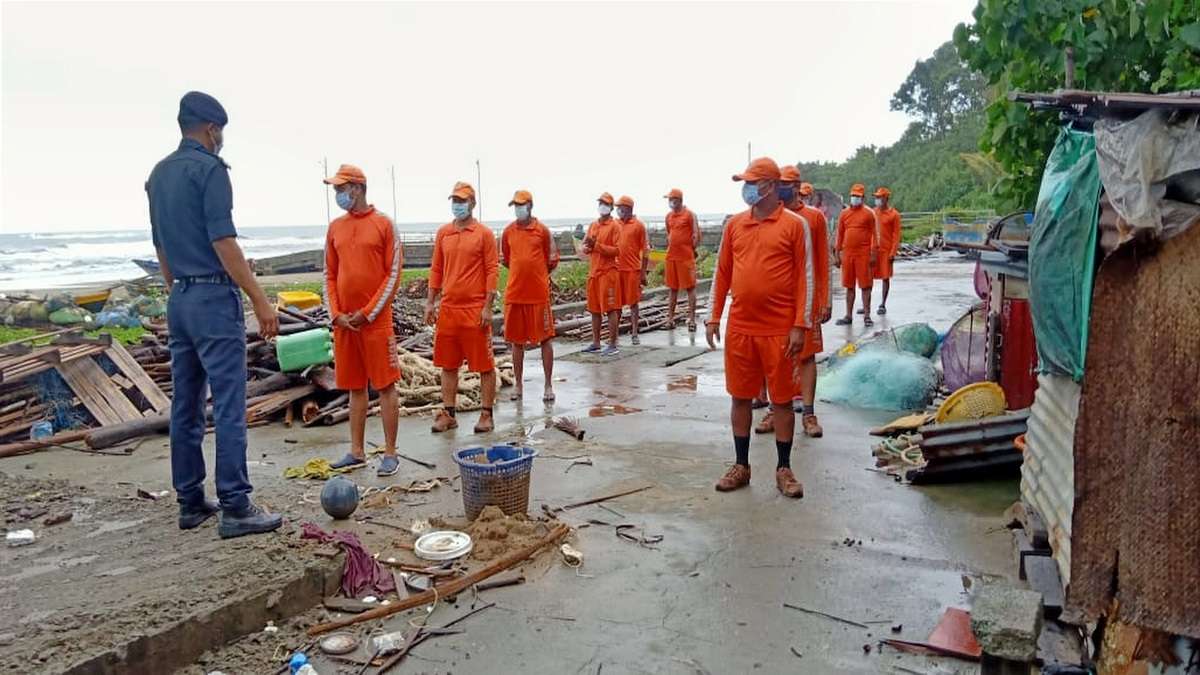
218,143
522,211
786,193
345,200
750,194
855,201
460,210
625,214
675,204
605,209
878,203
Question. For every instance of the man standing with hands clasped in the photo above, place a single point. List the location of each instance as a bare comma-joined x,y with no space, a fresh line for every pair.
632,262
604,281
528,251
764,257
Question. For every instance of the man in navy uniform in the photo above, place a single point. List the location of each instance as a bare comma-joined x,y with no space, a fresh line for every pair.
190,217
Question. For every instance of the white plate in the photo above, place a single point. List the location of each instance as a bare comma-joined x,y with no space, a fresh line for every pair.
443,545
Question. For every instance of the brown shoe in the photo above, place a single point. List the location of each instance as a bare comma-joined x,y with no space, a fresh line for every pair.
767,425
788,486
738,476
812,428
444,422
485,423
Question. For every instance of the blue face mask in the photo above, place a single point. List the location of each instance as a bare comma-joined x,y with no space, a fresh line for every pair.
786,193
750,194
460,210
856,201
345,200
522,211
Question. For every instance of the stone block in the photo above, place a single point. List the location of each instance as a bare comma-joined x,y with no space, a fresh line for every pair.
1007,622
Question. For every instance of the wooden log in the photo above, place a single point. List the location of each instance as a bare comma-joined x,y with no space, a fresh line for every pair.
23,447
309,409
451,587
115,434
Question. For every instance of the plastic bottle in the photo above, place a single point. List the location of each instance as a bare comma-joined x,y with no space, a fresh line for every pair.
388,643
299,665
40,430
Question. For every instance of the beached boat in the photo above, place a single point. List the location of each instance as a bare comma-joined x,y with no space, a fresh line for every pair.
93,302
148,265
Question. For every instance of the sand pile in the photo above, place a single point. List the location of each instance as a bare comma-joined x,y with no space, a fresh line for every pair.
496,534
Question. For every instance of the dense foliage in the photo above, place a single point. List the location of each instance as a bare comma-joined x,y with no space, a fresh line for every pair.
1148,46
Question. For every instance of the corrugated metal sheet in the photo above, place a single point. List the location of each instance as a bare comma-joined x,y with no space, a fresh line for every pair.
1048,474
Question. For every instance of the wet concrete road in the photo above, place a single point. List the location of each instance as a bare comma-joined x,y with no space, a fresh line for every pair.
710,597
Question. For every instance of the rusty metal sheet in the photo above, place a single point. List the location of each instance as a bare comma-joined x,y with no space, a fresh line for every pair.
1136,521
1048,474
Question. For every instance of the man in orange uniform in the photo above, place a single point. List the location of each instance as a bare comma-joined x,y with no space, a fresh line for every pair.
791,193
683,239
363,258
463,277
856,249
527,249
632,262
763,261
604,280
889,243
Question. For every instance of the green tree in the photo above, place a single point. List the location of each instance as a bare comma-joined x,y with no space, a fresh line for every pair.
940,91
1147,46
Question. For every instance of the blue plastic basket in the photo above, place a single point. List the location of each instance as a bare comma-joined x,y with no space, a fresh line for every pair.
503,481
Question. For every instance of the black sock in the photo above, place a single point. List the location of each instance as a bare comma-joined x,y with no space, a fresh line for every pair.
487,410
809,410
784,448
741,446
450,410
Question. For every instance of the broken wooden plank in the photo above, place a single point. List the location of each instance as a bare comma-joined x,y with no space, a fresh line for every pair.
121,381
132,370
79,378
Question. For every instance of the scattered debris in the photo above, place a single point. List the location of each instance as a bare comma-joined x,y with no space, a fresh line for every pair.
571,556
625,532
797,653
444,545
422,633
827,616
339,643
897,628
570,425
58,518
587,461
271,628
867,648
20,537
597,500
152,496
951,637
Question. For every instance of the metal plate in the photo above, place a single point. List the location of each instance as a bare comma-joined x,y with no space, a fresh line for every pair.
443,545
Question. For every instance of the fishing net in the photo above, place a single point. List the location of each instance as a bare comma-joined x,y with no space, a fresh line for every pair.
964,350
880,376
917,338
59,399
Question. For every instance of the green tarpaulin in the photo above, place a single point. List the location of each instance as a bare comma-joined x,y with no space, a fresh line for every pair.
1062,253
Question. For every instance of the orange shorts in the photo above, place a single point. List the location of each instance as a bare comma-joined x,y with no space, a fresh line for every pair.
631,287
883,267
751,359
680,274
365,357
604,292
856,269
814,343
459,337
528,324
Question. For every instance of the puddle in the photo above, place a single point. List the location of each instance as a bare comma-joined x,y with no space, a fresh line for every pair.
615,409
682,383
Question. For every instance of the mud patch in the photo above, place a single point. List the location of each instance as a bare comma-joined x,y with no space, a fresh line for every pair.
682,383
612,409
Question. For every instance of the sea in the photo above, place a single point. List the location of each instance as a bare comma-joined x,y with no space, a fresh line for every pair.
84,259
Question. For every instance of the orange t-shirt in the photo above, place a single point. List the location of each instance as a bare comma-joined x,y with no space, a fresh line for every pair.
858,230
634,244
607,235
465,266
889,230
820,255
765,264
680,232
363,257
529,254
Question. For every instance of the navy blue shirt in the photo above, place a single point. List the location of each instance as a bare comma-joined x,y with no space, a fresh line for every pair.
191,206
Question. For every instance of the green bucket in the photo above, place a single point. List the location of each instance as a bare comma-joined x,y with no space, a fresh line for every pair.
301,350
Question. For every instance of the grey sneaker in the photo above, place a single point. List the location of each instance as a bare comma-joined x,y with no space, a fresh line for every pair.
388,466
636,340
611,350
250,520
192,516
349,462
591,349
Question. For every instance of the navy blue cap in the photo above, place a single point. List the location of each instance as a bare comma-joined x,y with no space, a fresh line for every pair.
196,107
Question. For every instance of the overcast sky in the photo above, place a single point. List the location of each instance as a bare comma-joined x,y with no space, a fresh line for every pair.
565,99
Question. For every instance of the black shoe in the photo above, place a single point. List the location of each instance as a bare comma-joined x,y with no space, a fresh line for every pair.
250,520
194,515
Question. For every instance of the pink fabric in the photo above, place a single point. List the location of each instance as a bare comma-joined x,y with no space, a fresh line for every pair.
362,575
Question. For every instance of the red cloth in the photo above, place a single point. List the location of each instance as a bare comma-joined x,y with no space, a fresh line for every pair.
362,575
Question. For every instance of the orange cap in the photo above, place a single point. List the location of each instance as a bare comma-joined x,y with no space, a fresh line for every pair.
858,190
882,192
625,200
763,168
806,189
606,198
789,174
521,197
347,173
462,191
675,193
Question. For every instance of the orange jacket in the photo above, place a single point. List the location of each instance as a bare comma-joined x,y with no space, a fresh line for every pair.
465,265
681,234
530,254
768,266
363,258
889,229
633,245
857,230
821,273
607,235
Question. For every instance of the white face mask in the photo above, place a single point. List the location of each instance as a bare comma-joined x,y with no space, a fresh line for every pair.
855,201
605,209
522,211
878,203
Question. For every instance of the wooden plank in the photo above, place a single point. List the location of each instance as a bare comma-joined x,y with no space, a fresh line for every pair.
131,369
73,373
115,398
121,381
